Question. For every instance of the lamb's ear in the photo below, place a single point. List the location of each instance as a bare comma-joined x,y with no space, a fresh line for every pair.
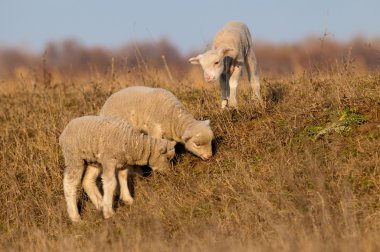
207,122
195,60
163,148
186,136
225,51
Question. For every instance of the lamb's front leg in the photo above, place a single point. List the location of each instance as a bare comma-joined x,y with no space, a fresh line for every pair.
109,186
234,82
125,195
224,89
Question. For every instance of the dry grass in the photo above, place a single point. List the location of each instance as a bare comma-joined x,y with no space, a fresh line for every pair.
282,179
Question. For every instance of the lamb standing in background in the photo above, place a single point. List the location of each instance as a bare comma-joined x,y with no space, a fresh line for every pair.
113,144
157,112
231,49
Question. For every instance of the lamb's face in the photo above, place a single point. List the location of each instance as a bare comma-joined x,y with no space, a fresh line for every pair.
212,63
198,139
162,155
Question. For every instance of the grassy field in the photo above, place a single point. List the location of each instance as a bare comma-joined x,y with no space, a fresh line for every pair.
303,174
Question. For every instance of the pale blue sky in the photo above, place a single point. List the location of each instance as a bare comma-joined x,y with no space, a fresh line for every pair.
188,24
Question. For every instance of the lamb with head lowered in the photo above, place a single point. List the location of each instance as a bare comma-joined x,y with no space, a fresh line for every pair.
91,144
231,50
157,112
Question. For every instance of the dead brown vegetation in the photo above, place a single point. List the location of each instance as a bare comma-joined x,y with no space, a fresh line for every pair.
303,174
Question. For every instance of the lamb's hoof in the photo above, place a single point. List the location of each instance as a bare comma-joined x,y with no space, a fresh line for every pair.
76,219
232,104
127,200
108,214
224,103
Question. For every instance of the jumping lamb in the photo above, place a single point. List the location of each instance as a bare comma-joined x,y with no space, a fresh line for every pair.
231,49
113,145
157,112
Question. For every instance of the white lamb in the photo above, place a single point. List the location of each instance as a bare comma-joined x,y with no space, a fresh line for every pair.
231,49
157,112
113,145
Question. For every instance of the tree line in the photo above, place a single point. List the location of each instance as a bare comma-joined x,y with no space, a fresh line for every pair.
311,54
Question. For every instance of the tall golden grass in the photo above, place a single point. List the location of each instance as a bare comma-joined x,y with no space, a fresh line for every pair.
301,175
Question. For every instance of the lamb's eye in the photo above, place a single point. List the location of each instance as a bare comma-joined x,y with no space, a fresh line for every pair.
216,62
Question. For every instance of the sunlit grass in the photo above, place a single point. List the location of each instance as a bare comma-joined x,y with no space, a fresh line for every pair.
301,175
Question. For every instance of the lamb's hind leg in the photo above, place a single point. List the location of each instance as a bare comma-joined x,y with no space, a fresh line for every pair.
109,186
89,185
224,89
125,195
71,180
253,76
